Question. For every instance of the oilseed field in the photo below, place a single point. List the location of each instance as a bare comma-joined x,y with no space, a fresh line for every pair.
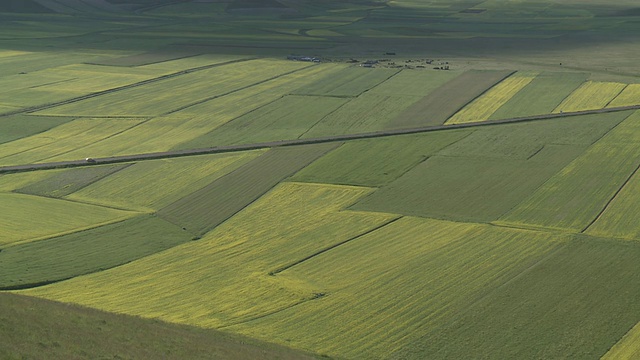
297,179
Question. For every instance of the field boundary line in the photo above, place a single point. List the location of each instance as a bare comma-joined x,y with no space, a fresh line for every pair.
617,95
479,96
202,101
615,195
331,247
32,109
297,142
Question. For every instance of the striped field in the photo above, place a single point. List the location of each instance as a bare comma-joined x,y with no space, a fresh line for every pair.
482,108
591,95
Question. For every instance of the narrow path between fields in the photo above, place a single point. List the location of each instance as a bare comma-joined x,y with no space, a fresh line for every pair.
296,142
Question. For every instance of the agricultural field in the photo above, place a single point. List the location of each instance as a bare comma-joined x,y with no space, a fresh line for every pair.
600,172
483,107
280,179
591,95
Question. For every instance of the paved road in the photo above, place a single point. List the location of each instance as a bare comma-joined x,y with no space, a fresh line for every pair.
297,142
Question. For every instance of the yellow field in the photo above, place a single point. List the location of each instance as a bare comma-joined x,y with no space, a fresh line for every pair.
590,95
60,141
396,285
483,107
28,218
627,348
629,96
154,184
223,278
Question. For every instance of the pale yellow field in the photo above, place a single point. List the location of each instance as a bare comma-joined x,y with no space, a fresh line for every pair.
29,218
61,141
223,278
590,95
627,348
483,107
629,96
153,184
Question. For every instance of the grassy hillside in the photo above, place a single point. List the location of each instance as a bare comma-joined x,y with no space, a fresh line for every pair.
40,329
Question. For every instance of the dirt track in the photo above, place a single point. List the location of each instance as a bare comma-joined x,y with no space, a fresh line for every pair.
245,147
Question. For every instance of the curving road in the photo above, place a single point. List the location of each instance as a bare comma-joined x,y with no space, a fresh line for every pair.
296,142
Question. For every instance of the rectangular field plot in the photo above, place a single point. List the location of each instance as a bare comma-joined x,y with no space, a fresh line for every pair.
483,107
574,197
466,189
27,218
440,104
591,95
366,113
155,184
60,141
414,83
174,93
523,140
629,96
284,119
211,205
390,287
574,304
351,81
50,260
376,162
541,96
224,278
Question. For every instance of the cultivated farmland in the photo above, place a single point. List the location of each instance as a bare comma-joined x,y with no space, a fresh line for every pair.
591,95
483,107
280,170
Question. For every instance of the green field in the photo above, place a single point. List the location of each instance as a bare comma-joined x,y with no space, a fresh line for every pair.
443,102
30,218
319,176
541,96
574,197
211,205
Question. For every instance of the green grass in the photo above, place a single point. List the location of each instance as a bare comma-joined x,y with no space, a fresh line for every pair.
439,105
66,182
541,96
155,184
208,207
348,82
574,197
60,258
376,162
41,329
287,118
575,303
28,218
21,126
467,188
